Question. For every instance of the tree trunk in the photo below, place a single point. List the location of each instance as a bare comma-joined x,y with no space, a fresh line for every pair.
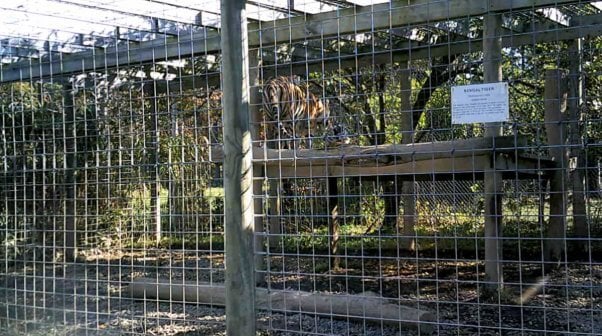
555,108
575,101
492,63
408,191
362,307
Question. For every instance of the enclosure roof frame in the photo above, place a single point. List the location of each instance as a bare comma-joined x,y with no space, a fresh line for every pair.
350,20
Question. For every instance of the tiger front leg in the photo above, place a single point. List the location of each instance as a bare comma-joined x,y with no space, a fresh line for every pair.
287,136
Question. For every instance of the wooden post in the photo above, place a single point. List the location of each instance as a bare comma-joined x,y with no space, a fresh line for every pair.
555,106
238,172
407,190
333,223
575,100
492,63
69,134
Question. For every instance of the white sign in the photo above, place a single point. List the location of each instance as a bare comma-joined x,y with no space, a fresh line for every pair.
480,103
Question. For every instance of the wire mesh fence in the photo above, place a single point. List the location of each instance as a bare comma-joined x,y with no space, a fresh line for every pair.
376,212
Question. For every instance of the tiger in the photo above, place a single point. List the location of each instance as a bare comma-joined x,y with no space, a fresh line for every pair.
293,113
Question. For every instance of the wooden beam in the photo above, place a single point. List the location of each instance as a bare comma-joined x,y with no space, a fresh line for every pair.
428,167
445,168
592,28
382,16
362,307
238,173
383,153
301,28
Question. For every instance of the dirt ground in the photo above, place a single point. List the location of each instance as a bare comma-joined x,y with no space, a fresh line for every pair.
89,297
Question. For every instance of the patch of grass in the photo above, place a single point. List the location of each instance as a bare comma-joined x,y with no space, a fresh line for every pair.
457,233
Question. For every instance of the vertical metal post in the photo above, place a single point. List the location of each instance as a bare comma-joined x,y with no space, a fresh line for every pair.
238,172
492,63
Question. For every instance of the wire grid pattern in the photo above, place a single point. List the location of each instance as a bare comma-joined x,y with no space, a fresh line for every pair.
112,207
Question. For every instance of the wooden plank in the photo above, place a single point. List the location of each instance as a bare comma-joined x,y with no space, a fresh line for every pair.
383,153
339,22
424,167
429,167
509,166
238,173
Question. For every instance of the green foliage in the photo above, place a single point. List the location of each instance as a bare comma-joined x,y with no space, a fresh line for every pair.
372,210
127,139
352,239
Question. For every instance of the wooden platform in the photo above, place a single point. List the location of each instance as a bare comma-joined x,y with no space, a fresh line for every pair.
444,160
